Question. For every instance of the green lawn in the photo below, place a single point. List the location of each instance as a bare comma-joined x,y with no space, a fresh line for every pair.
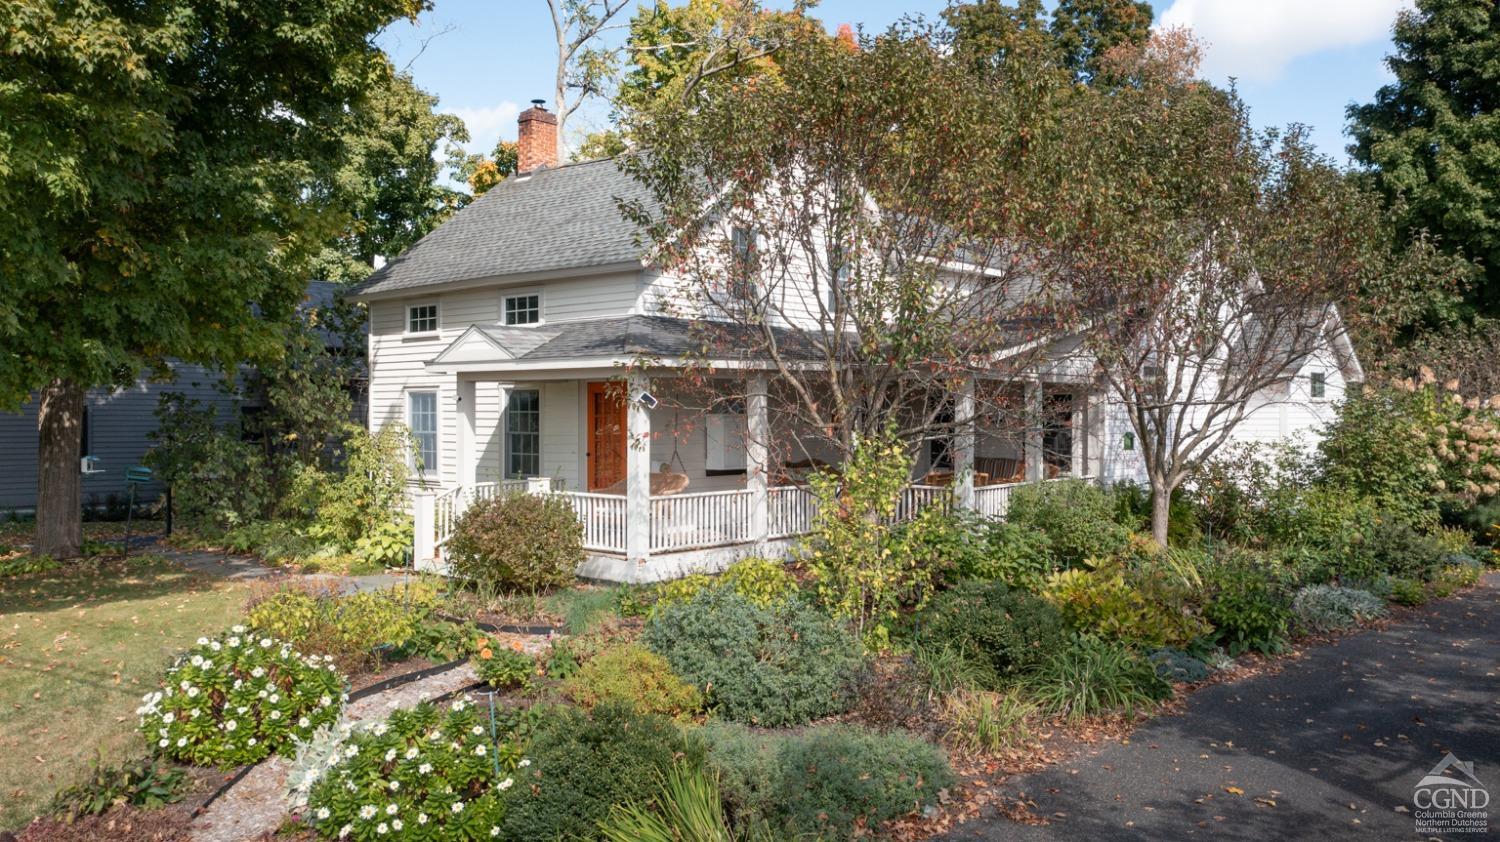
78,648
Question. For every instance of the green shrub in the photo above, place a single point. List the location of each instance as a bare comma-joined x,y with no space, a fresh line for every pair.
1454,577
1174,664
422,774
946,541
238,699
947,668
346,627
1131,607
1326,519
1395,548
584,763
1249,606
762,582
1077,517
832,777
385,544
504,668
634,675
1015,555
364,505
26,565
525,542
142,783
1406,591
775,666
1089,677
861,572
826,782
1330,607
998,631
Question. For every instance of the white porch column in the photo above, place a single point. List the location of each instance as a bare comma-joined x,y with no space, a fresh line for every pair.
424,530
757,457
468,435
964,444
637,471
1079,422
1034,407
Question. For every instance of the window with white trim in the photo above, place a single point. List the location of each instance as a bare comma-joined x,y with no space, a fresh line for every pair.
422,318
523,434
422,418
523,309
1318,384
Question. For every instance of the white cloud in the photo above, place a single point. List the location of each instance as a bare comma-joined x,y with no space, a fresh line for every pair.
488,124
1256,39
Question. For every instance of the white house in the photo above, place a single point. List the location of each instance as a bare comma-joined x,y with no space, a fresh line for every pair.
508,341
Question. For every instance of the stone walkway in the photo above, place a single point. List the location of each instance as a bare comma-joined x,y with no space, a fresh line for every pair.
245,567
256,805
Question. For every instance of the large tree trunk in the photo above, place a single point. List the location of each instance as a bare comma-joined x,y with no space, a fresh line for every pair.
59,492
1161,510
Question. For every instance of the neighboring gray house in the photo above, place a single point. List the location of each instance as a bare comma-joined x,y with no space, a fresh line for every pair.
117,429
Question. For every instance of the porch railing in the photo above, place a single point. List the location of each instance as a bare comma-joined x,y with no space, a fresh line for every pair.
603,519
791,510
994,500
705,519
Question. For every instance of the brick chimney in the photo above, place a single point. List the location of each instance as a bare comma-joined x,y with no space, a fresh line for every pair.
537,145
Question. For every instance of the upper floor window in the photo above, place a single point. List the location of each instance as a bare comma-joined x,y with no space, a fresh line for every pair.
422,418
1319,384
523,309
741,286
1127,441
422,318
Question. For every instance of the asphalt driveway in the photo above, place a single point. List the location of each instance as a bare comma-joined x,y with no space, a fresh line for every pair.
1329,748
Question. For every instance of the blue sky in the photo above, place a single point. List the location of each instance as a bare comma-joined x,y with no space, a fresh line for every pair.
1296,61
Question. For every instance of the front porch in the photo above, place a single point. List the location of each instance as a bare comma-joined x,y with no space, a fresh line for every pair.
664,485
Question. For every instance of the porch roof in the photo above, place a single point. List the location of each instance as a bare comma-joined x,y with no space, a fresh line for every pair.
616,339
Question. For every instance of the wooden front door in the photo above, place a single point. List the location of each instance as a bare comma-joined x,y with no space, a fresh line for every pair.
606,436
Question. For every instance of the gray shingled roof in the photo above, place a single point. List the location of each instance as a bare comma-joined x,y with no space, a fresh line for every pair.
561,218
620,337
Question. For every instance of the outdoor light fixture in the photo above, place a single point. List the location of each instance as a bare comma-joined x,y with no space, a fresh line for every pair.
647,400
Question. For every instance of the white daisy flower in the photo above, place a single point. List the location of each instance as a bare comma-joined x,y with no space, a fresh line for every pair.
395,785
304,722
216,646
265,643
379,729
344,831
197,660
411,752
421,818
163,743
181,741
390,809
396,824
382,828
424,769
202,641
169,717
506,784
476,730
495,830
275,714
323,813
230,725
234,642
479,750
525,761
367,812
390,754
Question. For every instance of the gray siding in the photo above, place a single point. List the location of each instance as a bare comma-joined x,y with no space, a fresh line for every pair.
119,426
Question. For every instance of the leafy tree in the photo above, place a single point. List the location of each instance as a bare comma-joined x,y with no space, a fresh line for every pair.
1218,252
485,171
170,167
389,178
1080,33
1429,139
1088,29
584,63
605,143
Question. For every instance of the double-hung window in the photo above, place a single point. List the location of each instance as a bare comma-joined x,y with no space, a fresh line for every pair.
523,434
422,417
523,309
422,318
1319,385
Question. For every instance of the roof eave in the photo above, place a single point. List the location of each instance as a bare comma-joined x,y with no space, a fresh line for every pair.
512,279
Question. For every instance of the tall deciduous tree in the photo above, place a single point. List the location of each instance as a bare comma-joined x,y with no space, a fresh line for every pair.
169,169
1078,36
1210,259
586,65
864,245
1431,138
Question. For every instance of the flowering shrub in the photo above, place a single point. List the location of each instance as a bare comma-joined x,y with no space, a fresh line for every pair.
422,774
504,668
237,699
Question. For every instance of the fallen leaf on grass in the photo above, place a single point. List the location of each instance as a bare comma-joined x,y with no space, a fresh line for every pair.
1234,790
